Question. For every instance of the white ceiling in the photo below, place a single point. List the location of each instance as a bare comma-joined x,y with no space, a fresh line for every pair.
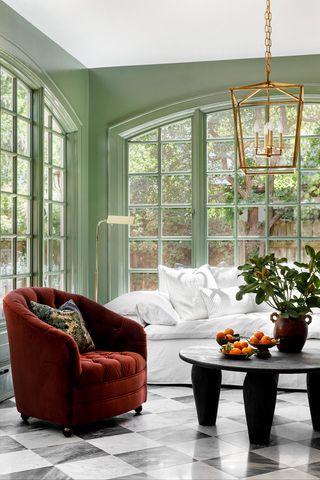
105,33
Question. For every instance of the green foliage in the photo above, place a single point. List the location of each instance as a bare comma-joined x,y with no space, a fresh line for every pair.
292,291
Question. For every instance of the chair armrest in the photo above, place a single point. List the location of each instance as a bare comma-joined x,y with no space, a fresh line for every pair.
34,343
111,331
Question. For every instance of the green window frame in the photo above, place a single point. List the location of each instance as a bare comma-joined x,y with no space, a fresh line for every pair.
301,210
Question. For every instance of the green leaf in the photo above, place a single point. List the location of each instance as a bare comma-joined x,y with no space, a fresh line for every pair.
260,297
310,251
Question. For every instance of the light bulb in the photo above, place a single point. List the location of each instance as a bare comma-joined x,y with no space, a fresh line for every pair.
270,126
266,128
256,127
280,127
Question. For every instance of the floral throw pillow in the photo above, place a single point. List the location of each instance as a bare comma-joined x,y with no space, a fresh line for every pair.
71,322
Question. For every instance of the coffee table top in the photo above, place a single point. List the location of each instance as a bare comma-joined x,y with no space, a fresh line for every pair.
210,357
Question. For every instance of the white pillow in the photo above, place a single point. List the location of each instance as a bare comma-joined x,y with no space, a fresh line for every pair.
222,301
151,313
184,290
226,276
126,304
162,275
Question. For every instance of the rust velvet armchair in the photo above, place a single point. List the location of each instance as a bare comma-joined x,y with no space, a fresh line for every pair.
53,381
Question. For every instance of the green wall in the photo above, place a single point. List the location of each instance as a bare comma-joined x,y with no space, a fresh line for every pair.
120,93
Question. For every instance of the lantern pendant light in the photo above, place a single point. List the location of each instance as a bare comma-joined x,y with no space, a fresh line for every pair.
267,120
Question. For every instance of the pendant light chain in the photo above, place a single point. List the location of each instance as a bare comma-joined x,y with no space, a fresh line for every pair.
268,42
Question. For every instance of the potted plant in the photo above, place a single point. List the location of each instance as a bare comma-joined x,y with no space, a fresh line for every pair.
291,290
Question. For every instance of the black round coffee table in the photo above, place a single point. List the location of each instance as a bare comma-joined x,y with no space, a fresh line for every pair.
259,387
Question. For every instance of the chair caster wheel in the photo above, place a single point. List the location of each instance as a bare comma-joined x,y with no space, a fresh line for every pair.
25,418
138,410
67,432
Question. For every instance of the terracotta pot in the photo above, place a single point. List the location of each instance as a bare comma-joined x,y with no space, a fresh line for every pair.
292,332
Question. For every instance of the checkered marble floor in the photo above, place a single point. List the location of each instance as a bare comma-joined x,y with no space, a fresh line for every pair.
165,442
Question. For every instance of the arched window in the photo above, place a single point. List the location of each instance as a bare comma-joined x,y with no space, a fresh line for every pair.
193,205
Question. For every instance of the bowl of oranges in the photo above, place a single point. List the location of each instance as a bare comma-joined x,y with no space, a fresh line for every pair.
262,343
227,336
237,350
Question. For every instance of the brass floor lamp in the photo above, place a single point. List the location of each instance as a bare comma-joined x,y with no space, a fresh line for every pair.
112,220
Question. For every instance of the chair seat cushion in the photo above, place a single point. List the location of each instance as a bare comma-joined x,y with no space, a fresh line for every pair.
102,366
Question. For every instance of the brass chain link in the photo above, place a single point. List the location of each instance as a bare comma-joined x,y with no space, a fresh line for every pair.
268,42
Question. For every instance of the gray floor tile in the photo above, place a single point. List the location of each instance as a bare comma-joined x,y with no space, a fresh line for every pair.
69,453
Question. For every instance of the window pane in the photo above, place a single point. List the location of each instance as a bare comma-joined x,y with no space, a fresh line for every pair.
6,256
6,90
283,221
313,243
23,215
45,281
56,126
143,190
57,220
310,152
46,255
46,183
176,222
23,142
176,189
220,189
147,137
284,248
220,156
221,251
283,188
178,251
46,218
57,255
23,282
23,99
6,217
251,188
57,185
310,221
6,131
310,119
143,157
287,115
145,222
143,281
46,147
177,131
252,221
57,150
23,176
220,221
56,281
220,124
6,285
249,249
176,157
23,256
6,175
310,187
143,254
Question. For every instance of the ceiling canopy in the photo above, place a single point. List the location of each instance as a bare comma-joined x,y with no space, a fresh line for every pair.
105,33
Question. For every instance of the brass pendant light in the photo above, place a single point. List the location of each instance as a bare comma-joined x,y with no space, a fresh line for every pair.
267,120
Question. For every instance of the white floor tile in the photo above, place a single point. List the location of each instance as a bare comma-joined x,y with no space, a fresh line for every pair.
222,426
190,471
295,413
145,422
295,431
165,405
292,454
206,448
44,438
102,468
284,474
20,461
170,392
127,442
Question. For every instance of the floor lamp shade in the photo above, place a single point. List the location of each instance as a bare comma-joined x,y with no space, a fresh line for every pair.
109,220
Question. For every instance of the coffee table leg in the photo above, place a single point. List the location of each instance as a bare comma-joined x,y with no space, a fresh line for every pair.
313,387
260,395
206,390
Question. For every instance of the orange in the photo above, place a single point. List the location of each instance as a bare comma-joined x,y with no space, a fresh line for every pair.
247,350
229,331
258,334
265,340
229,337
235,351
244,344
237,345
254,340
220,335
